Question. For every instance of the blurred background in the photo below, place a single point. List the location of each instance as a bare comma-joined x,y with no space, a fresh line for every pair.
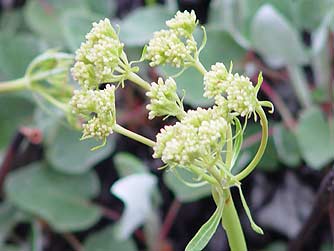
55,192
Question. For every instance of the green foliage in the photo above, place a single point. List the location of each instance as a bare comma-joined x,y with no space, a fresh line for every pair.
314,138
105,239
283,46
62,200
16,52
23,110
66,153
286,145
151,19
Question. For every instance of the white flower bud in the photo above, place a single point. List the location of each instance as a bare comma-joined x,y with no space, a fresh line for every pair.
164,100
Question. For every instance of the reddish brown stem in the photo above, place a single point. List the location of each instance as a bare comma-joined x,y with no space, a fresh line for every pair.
279,104
170,218
10,156
73,241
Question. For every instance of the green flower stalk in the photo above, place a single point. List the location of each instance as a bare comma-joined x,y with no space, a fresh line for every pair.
204,141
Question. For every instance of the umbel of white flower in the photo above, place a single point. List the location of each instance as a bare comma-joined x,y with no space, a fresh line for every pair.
237,92
101,58
175,46
164,100
97,108
195,140
184,23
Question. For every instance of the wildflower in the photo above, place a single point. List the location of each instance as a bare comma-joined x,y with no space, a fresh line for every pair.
99,57
175,46
198,137
241,95
164,100
166,48
184,23
216,81
97,107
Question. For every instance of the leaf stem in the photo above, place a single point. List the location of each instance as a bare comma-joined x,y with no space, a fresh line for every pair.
14,85
121,130
231,224
139,81
264,124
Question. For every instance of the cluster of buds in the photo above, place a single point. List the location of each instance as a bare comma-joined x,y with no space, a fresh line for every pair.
235,91
175,46
98,108
101,58
164,100
192,141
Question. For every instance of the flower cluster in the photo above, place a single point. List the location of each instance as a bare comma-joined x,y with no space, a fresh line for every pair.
195,139
99,57
164,100
217,80
184,23
98,108
175,46
234,91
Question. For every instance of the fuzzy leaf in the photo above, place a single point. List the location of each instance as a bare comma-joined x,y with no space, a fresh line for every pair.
61,200
286,146
138,27
68,154
314,139
275,39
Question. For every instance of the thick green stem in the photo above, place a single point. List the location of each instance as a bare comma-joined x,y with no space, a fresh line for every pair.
231,224
262,147
198,65
14,85
121,130
139,81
